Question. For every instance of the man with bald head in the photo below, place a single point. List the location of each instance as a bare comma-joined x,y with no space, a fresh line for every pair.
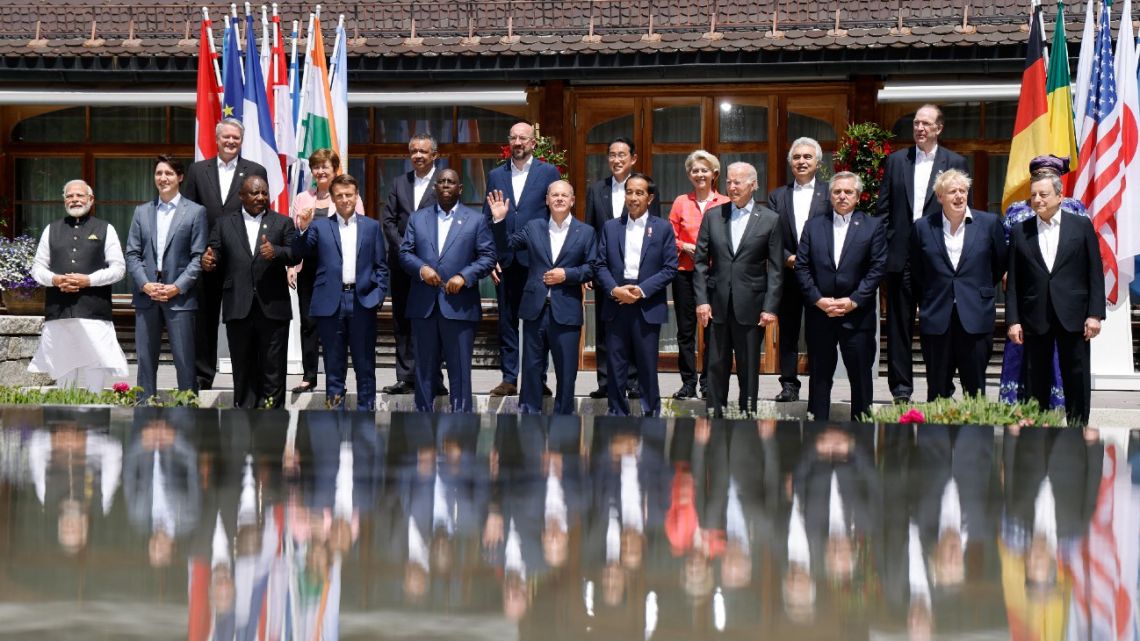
77,260
561,255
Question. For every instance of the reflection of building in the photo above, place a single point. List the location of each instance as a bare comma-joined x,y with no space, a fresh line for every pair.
727,77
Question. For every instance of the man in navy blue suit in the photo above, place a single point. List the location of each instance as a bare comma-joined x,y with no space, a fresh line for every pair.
523,181
959,256
447,249
637,259
839,263
561,261
350,283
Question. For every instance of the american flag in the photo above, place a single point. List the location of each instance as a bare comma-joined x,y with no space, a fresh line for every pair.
1100,183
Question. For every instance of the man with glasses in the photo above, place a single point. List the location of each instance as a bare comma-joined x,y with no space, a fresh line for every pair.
907,194
523,180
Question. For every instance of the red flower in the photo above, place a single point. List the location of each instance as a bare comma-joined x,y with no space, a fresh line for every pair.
912,416
505,152
121,388
865,197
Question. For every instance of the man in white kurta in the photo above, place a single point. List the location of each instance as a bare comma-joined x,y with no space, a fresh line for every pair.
78,259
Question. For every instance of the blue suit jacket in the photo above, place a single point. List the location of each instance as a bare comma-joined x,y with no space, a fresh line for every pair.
862,264
658,267
531,206
971,286
468,250
322,239
181,259
576,258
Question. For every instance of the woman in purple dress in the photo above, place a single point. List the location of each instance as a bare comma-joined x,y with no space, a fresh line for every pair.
1013,388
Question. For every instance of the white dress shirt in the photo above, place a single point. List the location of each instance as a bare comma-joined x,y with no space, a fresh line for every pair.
617,196
518,177
923,166
955,240
558,234
163,219
801,204
443,225
738,222
839,226
252,228
1048,235
112,251
634,238
347,229
226,171
420,187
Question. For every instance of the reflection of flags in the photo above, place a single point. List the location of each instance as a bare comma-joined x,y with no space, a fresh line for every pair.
1031,128
338,88
231,75
1100,181
207,111
258,144
1062,137
1127,229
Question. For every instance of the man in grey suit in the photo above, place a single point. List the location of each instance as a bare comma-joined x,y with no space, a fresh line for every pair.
739,257
164,252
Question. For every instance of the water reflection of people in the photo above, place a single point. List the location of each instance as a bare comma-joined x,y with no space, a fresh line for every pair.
74,464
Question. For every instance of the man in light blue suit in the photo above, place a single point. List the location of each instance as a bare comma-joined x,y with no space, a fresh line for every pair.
561,256
523,182
350,283
447,249
164,252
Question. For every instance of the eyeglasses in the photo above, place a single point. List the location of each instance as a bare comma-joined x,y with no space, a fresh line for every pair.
518,138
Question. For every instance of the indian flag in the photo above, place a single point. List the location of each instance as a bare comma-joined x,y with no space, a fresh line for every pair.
316,123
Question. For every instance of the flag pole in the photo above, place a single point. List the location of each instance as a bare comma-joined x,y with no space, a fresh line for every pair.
294,168
265,49
304,95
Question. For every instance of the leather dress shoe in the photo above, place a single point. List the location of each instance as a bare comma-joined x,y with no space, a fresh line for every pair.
598,393
546,390
633,393
442,391
684,393
400,387
504,389
305,386
788,395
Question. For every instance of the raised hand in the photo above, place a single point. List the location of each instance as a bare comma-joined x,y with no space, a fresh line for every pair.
304,218
499,205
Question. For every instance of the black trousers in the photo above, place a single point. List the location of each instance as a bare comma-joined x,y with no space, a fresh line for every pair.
900,333
1076,377
310,337
206,328
791,316
401,284
858,350
258,352
685,308
729,338
956,350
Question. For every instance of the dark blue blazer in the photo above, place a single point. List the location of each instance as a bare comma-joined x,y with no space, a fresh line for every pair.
468,250
971,286
862,265
657,270
531,206
576,258
323,240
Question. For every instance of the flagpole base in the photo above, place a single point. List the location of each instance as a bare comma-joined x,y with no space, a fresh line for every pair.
1116,382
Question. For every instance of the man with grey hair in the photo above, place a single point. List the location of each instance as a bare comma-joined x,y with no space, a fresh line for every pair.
738,281
802,198
213,183
78,259
839,263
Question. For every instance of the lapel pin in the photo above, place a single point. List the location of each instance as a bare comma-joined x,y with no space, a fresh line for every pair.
264,226
649,232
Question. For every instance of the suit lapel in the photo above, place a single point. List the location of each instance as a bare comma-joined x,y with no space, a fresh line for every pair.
152,216
967,242
940,240
433,229
830,232
852,230
239,227
908,180
1067,239
645,239
176,223
749,228
548,247
936,168
1029,226
457,219
239,175
333,226
572,238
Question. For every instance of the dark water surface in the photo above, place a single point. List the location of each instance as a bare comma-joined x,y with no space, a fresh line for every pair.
207,524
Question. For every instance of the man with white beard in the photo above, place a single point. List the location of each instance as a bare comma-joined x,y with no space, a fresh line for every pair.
78,259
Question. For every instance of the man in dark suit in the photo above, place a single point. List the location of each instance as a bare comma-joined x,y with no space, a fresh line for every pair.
351,279
214,183
738,284
1056,296
839,263
801,199
164,258
411,192
523,180
251,250
561,261
605,200
906,195
958,256
637,259
447,248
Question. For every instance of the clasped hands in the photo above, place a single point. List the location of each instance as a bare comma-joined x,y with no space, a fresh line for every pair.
431,277
627,294
71,283
160,292
835,307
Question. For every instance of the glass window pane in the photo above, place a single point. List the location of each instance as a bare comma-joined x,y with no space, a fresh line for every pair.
42,179
998,164
758,160
485,125
128,124
677,124
800,125
65,125
120,185
357,168
963,121
358,125
669,175
596,167
474,177
903,130
603,132
397,124
743,123
1000,117
182,125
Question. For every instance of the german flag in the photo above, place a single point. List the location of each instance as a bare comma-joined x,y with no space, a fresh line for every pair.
1031,128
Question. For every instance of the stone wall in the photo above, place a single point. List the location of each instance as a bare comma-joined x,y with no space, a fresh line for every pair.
19,336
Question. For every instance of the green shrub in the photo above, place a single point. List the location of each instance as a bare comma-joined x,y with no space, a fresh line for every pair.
971,410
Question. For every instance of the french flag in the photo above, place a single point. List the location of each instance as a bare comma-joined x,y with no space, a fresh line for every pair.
258,144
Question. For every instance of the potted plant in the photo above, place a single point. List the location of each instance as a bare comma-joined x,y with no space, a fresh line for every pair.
863,149
544,150
22,294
